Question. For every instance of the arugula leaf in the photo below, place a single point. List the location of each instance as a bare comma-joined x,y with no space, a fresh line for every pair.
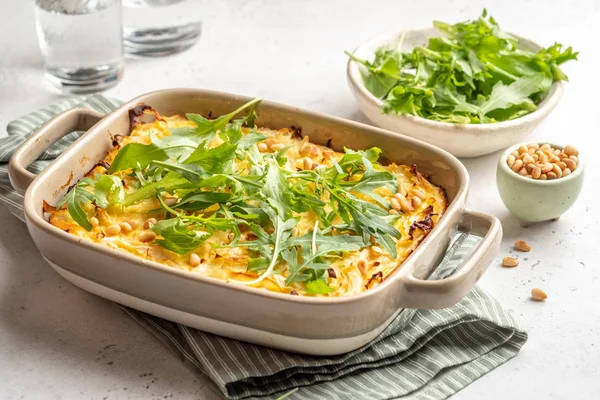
196,201
212,160
372,180
108,190
318,286
276,190
137,155
179,236
319,246
75,199
283,230
205,126
192,172
516,94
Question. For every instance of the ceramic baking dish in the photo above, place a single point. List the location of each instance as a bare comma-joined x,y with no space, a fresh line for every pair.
320,326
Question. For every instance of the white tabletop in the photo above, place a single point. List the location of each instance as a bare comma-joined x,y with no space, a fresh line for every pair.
57,341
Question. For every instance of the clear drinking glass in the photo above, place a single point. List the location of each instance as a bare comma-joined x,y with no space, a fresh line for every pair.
160,27
81,41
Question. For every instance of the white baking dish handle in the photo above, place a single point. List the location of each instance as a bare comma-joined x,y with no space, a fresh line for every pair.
75,119
442,293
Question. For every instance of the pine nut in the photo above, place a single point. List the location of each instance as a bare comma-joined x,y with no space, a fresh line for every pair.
416,202
523,171
547,167
523,149
400,197
315,151
543,159
149,221
551,175
94,221
556,169
522,245
574,158
538,294
570,164
305,149
277,146
393,212
307,163
362,265
134,223
534,146
536,173
113,230
561,165
543,177
515,153
517,165
376,250
194,259
418,193
170,201
406,206
510,160
125,227
571,150
530,167
262,147
147,236
566,172
510,262
395,204
528,159
535,157
545,146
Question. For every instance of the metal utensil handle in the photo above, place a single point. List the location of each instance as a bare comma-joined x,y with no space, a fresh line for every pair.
442,293
75,119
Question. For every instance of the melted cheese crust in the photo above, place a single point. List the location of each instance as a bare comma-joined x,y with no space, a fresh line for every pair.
231,263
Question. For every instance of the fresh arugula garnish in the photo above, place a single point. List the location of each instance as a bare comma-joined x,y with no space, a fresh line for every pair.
138,155
108,189
180,143
183,233
75,199
227,184
315,247
206,126
476,73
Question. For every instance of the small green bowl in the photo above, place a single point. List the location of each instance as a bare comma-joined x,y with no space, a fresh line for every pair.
533,200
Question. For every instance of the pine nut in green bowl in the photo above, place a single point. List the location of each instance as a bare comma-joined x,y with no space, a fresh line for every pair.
539,181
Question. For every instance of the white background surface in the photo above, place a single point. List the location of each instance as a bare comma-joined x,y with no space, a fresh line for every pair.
57,341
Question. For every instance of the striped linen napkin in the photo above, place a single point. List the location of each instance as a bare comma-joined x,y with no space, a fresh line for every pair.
422,354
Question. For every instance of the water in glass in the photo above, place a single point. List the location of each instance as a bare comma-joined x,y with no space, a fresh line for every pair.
81,41
160,27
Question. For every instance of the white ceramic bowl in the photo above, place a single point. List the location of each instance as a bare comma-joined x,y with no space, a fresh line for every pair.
462,140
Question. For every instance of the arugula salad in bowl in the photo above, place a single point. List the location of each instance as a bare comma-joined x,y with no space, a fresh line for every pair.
469,88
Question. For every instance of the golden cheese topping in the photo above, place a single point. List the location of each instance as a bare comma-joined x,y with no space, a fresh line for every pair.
418,205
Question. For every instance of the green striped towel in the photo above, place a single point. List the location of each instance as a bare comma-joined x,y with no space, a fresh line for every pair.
424,354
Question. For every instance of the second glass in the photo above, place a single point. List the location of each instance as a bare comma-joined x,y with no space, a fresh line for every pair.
160,27
81,41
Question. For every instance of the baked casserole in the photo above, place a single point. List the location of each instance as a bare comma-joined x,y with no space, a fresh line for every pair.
250,205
